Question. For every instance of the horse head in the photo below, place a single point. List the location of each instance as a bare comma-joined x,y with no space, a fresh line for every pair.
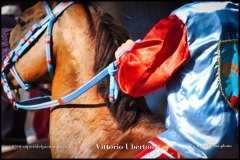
31,66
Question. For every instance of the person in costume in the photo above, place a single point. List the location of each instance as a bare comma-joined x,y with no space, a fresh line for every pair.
194,53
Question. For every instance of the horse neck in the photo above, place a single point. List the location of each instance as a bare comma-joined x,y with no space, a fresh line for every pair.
81,129
74,52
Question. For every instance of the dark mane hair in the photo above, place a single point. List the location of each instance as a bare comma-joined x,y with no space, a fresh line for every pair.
109,33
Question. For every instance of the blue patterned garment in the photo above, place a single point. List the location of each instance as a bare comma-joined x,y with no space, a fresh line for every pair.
194,53
200,122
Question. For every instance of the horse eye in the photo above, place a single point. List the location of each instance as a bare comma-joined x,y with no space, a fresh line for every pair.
21,22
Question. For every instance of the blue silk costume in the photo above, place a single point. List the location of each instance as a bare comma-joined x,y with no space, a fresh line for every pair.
197,111
201,120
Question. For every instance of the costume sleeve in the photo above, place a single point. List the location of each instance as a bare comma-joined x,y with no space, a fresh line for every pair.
150,63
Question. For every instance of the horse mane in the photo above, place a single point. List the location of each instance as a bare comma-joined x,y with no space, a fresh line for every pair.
109,33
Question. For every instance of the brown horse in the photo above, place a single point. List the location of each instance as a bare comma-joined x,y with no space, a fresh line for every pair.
84,41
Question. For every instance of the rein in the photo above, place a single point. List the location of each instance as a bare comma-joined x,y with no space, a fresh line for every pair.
26,42
79,106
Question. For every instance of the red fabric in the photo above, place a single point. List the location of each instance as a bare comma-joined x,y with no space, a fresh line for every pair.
40,119
163,156
234,102
150,63
167,148
41,123
148,149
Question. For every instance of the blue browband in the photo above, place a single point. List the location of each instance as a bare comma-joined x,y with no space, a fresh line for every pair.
27,40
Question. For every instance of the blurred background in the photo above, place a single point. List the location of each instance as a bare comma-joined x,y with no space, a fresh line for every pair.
28,127
138,17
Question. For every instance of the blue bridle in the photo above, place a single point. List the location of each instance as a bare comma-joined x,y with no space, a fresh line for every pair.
26,42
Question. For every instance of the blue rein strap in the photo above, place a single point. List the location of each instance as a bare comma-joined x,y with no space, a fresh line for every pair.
49,38
113,88
73,95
